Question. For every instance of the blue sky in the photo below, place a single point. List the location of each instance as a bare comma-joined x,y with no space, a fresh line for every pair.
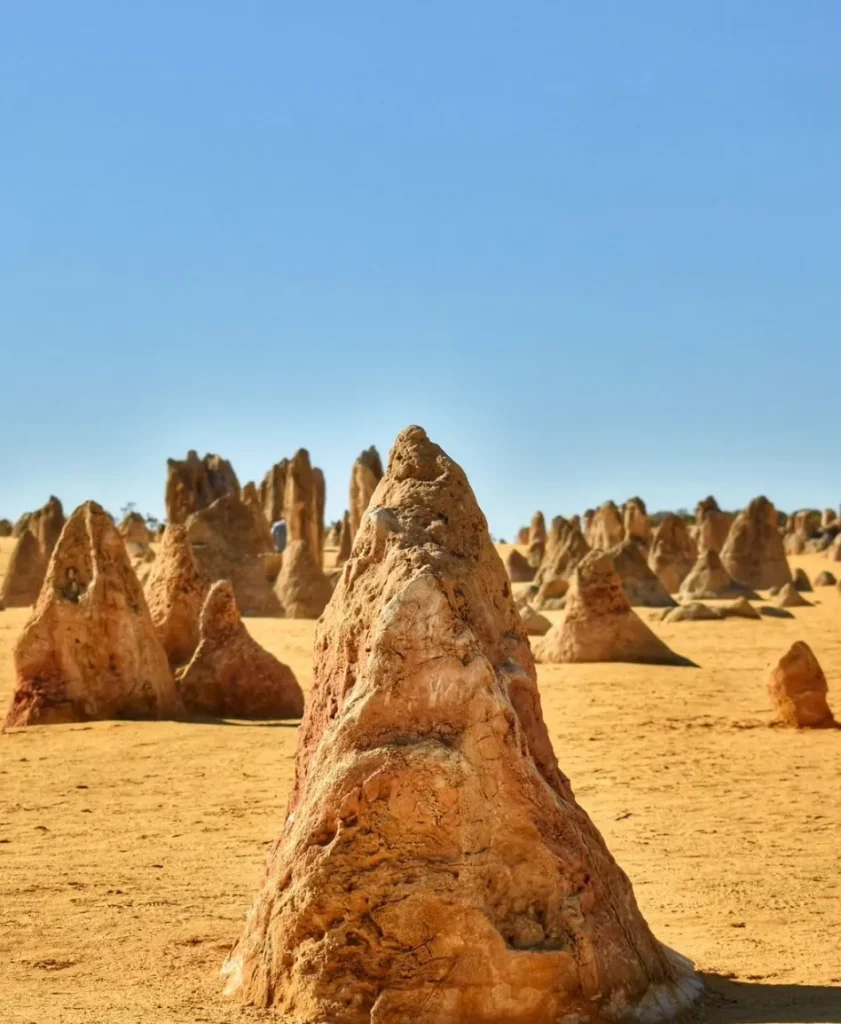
592,248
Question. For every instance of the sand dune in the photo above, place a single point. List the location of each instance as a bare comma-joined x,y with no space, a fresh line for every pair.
130,852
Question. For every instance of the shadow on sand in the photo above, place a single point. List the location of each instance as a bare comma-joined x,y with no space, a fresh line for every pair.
745,1002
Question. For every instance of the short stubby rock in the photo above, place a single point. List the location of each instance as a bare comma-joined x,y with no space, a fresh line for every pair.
798,690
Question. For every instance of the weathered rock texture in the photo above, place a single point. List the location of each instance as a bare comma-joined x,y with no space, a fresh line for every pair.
6,528
227,545
345,540
434,866
301,588
551,594
741,608
273,491
711,525
709,580
641,585
753,554
366,473
605,529
135,533
536,540
673,552
790,597
192,484
825,579
251,500
798,690
635,519
37,534
565,547
90,650
518,567
175,593
534,623
230,674
599,624
301,505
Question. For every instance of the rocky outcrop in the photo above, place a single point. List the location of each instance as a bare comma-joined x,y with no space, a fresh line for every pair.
709,581
798,689
605,529
673,552
635,519
741,608
366,473
230,675
227,545
753,554
711,525
193,484
175,593
695,611
90,650
534,623
790,597
301,505
24,573
5,528
642,586
251,500
434,866
518,568
345,540
825,579
801,581
135,534
301,588
565,548
536,540
599,624
273,491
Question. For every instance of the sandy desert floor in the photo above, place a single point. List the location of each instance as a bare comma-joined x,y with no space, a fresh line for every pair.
129,852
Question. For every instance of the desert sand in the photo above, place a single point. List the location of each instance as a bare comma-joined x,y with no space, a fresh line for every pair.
131,851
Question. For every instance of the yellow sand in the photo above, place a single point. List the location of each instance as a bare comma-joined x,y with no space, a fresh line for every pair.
129,852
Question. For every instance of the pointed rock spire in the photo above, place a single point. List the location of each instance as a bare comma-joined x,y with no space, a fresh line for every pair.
434,866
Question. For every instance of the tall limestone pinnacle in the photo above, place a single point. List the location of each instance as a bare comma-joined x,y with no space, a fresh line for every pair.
434,866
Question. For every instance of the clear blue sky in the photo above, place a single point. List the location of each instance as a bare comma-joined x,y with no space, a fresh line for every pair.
594,248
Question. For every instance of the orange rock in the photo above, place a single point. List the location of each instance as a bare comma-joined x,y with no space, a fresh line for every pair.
599,624
231,675
536,540
251,500
301,505
90,650
798,690
635,518
301,588
522,534
712,525
345,540
641,585
366,473
175,592
428,811
518,567
673,552
194,484
605,528
709,580
273,491
135,534
754,553
790,597
24,573
565,547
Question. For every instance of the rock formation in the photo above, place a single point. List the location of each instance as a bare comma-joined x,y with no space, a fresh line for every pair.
741,608
805,527
825,579
605,529
90,651
641,585
833,552
135,534
695,611
534,623
334,535
801,581
192,484
565,547
709,581
24,572
231,675
635,519
790,597
599,624
37,534
518,567
711,525
273,491
753,554
320,487
673,552
798,690
551,594
175,593
366,473
775,613
536,540
301,505
523,536
227,545
301,588
828,518
251,500
5,528
434,866
345,540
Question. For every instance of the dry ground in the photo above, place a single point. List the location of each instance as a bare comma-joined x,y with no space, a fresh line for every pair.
129,852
